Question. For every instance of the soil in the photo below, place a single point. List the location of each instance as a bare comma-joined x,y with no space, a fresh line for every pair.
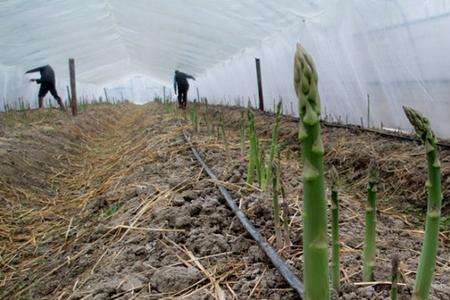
112,204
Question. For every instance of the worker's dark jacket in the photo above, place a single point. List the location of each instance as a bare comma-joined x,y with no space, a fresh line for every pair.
180,80
47,74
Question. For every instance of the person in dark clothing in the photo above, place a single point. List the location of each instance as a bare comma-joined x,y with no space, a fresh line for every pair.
47,82
180,81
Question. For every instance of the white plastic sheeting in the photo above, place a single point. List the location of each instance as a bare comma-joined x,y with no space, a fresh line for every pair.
114,39
396,51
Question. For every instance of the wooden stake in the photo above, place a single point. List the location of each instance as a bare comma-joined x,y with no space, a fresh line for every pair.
73,87
258,77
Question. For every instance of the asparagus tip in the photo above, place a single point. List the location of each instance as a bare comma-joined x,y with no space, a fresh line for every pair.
333,174
373,172
418,121
305,82
395,263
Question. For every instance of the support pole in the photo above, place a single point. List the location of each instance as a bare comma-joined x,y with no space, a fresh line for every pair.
258,77
73,87
164,94
198,96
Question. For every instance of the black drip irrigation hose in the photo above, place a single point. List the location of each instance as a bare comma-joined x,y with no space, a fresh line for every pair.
276,260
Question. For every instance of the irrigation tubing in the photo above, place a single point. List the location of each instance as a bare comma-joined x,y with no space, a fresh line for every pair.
276,260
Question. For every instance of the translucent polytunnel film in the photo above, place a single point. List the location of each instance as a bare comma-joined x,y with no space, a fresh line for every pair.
371,55
390,52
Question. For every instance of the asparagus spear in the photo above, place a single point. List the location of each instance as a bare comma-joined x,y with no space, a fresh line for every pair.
336,272
394,278
315,239
427,260
371,221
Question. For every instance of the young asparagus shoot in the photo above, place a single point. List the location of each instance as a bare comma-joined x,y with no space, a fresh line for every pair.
276,187
207,123
253,157
224,136
194,117
284,204
206,105
394,277
370,236
286,213
166,105
262,174
315,239
258,160
273,146
218,130
242,134
427,260
335,264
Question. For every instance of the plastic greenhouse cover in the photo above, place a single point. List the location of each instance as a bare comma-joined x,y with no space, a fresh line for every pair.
393,52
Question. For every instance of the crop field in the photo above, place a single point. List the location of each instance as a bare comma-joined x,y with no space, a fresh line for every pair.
112,204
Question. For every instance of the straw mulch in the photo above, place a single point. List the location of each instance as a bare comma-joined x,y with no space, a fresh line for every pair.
47,174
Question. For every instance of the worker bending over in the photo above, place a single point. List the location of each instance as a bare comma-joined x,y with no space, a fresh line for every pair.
180,81
47,82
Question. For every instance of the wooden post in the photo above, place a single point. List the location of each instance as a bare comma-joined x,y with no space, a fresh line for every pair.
73,87
198,96
260,91
164,94
368,111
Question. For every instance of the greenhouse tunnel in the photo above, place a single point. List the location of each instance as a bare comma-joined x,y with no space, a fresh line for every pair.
130,195
392,51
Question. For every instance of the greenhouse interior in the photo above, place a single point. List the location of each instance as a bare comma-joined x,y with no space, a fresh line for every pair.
194,149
